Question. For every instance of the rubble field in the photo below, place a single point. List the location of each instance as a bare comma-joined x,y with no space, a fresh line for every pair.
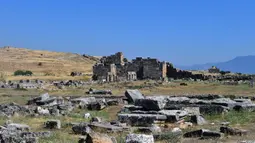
128,118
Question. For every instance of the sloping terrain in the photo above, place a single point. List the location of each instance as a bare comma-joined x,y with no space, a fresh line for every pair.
43,62
242,64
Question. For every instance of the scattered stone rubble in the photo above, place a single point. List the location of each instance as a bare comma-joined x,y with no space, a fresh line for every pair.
144,114
99,92
39,84
139,138
147,111
19,133
53,124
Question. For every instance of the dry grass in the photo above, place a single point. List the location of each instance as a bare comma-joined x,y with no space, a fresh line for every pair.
172,88
42,62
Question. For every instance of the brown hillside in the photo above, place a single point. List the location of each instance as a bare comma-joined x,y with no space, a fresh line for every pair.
43,62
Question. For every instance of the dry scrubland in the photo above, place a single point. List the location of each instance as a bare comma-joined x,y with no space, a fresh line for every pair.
55,65
147,88
65,135
242,120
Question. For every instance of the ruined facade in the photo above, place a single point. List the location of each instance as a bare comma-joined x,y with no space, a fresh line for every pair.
214,69
113,68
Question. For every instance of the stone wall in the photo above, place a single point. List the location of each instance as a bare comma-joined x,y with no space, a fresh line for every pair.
181,74
113,68
100,72
214,69
117,58
152,69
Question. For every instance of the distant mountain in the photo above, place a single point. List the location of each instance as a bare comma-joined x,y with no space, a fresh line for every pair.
242,64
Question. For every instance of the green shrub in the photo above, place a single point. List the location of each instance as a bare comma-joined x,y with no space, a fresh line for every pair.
22,73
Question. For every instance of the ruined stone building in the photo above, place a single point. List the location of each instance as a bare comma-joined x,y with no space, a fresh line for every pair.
113,68
214,69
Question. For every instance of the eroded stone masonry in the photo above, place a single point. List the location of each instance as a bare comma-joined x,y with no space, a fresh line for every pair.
114,68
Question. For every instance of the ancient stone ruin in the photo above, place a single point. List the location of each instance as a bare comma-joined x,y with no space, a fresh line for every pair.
214,69
113,68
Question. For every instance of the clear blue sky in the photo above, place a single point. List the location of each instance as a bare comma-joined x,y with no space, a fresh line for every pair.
183,32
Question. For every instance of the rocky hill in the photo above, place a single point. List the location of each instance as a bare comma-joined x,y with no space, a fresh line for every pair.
43,62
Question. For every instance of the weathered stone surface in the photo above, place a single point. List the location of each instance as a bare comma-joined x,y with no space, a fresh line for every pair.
83,102
53,124
67,107
96,119
144,112
143,120
99,92
82,139
98,105
81,128
50,101
19,133
153,129
112,102
87,115
16,139
243,101
128,108
19,127
13,108
212,109
139,138
173,115
133,95
178,100
199,101
105,127
224,123
40,98
116,123
198,119
224,102
206,97
202,133
192,110
42,111
245,107
36,134
232,131
153,103
98,138
55,112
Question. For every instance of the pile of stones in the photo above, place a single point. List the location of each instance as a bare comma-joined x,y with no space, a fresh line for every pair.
148,115
145,113
20,133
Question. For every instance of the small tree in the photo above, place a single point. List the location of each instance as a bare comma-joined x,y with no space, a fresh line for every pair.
40,64
125,60
222,72
18,72
28,73
22,73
